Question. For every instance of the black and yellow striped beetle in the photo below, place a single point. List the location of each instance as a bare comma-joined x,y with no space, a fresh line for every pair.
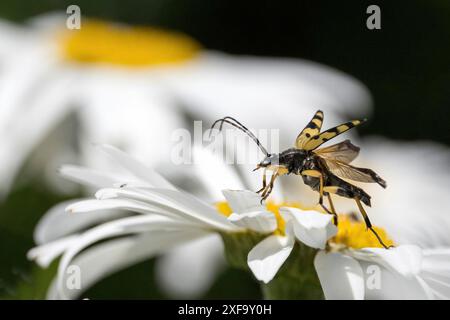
321,169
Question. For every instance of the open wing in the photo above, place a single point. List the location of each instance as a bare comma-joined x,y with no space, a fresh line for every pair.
344,151
347,171
318,139
312,129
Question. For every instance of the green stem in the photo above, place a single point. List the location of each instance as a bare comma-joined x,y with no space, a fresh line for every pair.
296,279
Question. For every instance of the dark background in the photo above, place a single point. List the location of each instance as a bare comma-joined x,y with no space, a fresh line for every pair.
405,65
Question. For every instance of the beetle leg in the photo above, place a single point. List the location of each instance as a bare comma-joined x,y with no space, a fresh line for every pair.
368,223
269,189
329,191
333,210
264,182
316,174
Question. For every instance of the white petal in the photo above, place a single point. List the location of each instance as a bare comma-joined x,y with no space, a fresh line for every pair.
12,37
436,271
57,223
188,270
246,85
267,257
108,257
340,275
214,173
436,259
40,106
91,206
45,254
242,201
404,259
133,199
138,224
401,275
392,285
143,129
310,227
406,199
188,206
118,204
137,168
259,221
91,177
438,285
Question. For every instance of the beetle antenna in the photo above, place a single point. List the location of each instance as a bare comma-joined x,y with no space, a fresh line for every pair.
240,126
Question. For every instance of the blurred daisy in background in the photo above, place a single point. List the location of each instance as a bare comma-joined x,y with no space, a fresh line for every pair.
61,90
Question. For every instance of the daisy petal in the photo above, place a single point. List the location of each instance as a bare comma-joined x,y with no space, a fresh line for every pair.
392,285
189,270
437,260
108,204
137,168
90,177
190,206
45,254
340,275
436,271
266,258
439,285
404,259
220,175
242,201
57,223
259,221
111,256
130,225
300,85
310,227
48,101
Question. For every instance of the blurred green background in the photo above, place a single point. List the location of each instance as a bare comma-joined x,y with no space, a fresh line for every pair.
405,65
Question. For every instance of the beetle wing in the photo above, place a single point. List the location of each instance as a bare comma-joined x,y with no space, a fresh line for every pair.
344,151
345,170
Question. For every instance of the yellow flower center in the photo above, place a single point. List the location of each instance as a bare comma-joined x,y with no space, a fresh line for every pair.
101,42
354,234
351,233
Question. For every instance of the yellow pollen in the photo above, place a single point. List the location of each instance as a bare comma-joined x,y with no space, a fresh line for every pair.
225,209
101,42
353,234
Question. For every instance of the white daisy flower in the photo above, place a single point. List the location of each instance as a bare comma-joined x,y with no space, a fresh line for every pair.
412,209
265,259
139,215
133,86
355,267
143,215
